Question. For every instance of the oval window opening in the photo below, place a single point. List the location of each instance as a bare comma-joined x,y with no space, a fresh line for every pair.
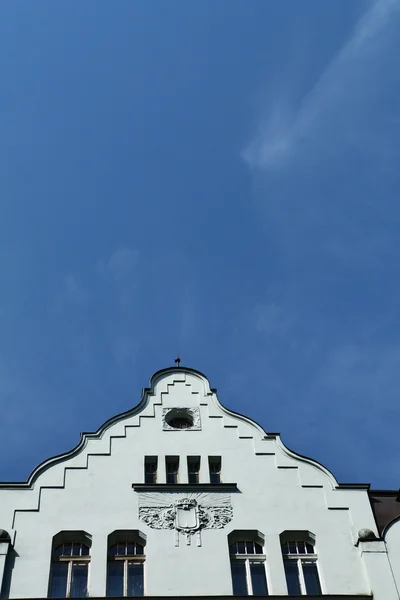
180,422
179,418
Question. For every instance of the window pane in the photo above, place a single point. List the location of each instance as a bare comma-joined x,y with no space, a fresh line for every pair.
139,548
215,466
130,548
115,578
79,580
285,548
214,463
113,550
249,547
311,578
135,579
63,550
292,578
239,584
150,478
58,583
258,548
150,469
121,551
76,549
150,465
193,465
172,478
310,548
292,548
85,550
301,547
241,546
193,478
233,548
258,579
172,466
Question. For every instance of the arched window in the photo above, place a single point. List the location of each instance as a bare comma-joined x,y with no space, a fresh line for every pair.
300,560
125,564
70,565
246,549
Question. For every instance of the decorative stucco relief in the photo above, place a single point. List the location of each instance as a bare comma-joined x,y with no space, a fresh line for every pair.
187,515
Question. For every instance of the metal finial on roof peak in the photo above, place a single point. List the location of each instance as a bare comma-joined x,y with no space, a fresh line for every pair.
177,361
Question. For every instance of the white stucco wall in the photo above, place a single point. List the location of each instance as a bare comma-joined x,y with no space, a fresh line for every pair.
392,539
277,491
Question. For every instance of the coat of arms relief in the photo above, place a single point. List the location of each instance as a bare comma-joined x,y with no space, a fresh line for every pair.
187,515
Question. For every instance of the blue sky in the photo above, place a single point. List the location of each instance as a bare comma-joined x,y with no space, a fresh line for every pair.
214,179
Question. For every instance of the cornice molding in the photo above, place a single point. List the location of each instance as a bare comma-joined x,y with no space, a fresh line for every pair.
185,487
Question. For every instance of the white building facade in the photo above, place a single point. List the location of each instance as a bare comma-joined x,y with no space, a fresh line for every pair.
182,497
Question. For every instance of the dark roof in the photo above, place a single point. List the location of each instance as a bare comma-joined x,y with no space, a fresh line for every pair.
385,506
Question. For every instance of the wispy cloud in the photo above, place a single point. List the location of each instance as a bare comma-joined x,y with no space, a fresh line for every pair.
121,272
324,170
71,292
125,350
272,320
344,91
122,263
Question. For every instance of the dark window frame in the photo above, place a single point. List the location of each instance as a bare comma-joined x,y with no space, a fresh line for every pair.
68,558
248,568
124,556
215,468
301,565
150,469
172,469
193,466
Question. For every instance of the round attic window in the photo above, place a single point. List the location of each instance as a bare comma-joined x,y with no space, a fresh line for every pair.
179,419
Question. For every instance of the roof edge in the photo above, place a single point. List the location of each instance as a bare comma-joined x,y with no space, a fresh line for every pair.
146,393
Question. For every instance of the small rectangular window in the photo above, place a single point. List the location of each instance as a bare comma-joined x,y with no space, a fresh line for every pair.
214,463
172,468
150,469
193,469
